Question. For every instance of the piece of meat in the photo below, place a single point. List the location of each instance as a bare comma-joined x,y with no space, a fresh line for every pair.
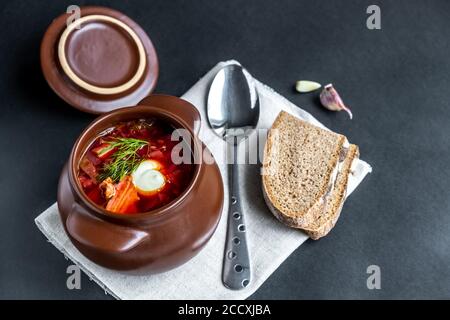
88,167
108,188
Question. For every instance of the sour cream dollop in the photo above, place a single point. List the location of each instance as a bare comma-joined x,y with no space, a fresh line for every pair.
147,178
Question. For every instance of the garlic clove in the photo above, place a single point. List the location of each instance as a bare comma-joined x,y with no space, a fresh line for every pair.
304,86
331,100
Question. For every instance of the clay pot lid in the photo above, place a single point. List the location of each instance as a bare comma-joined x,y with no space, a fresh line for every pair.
107,63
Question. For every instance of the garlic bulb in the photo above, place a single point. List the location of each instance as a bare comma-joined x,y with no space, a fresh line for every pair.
331,100
304,86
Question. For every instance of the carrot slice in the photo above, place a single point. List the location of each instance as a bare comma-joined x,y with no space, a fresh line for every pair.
125,197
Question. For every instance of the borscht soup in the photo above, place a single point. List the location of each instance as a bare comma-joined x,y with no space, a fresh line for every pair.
128,168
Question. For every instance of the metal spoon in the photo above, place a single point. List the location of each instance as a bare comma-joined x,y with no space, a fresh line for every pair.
233,110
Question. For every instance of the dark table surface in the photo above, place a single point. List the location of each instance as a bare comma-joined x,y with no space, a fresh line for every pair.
396,80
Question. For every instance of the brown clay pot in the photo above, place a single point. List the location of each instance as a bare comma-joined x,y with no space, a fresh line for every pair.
148,242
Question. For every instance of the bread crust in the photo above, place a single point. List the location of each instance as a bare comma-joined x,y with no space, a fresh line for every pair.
337,198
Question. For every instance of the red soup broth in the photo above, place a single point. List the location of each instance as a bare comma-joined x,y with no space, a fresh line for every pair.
107,171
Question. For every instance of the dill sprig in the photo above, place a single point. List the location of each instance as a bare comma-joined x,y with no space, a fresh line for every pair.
124,160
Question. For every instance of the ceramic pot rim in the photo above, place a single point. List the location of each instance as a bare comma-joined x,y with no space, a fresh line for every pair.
153,215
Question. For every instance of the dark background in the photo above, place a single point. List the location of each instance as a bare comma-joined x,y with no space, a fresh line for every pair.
396,80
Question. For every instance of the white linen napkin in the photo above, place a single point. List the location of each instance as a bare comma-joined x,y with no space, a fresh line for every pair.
270,242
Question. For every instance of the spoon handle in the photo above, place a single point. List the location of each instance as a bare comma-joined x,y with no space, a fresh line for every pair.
236,261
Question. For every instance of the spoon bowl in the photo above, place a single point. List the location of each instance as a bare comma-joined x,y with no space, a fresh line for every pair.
233,105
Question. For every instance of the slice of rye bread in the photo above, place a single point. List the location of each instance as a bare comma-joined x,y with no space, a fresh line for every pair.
299,159
299,173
